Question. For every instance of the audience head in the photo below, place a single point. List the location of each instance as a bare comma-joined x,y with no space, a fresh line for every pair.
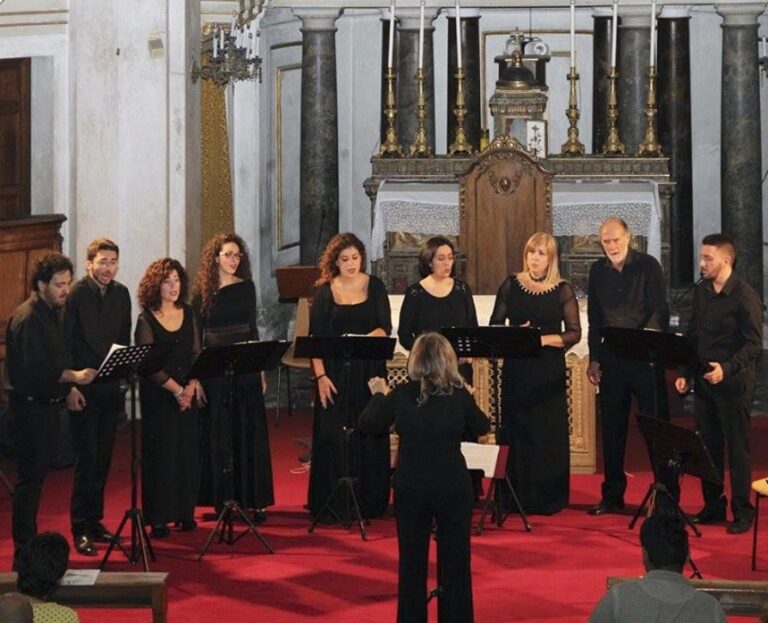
51,277
664,541
164,279
615,238
344,254
226,254
102,260
717,256
433,363
540,257
437,257
15,608
41,563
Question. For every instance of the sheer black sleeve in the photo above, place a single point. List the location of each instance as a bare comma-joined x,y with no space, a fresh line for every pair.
145,335
501,306
469,302
570,306
406,327
252,312
378,291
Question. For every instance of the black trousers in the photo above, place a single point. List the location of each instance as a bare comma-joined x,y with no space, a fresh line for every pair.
449,508
722,415
93,432
621,379
36,434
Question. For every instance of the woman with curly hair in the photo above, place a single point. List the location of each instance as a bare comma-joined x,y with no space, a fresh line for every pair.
170,430
235,444
347,301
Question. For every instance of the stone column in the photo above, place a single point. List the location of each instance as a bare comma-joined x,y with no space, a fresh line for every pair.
632,59
319,184
407,87
470,43
741,202
601,67
674,103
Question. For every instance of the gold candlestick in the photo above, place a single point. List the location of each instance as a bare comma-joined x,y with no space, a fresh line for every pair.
460,145
651,148
613,145
573,147
390,147
420,147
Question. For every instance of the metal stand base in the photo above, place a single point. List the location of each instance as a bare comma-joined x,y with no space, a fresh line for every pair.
225,530
141,546
499,514
345,485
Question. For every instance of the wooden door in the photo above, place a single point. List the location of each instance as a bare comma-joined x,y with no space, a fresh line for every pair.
504,198
14,138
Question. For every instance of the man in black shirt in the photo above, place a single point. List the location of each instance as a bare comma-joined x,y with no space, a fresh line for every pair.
40,372
627,290
100,311
726,332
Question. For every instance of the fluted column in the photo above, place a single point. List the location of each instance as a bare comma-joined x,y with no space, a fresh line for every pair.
601,67
741,189
407,87
632,59
319,184
674,97
470,43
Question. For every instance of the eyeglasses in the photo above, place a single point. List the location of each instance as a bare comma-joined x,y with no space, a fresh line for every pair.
232,255
106,263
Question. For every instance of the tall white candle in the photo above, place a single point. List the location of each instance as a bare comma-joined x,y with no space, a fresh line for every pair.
421,36
764,43
391,50
652,61
573,33
458,34
614,31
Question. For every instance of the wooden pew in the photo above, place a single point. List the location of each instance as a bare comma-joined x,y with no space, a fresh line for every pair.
112,590
741,597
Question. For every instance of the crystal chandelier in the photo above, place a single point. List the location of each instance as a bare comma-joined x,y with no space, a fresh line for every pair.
232,54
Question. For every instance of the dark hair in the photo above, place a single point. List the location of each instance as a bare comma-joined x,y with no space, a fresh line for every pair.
149,286
47,266
100,244
207,277
41,563
665,541
428,251
723,243
327,262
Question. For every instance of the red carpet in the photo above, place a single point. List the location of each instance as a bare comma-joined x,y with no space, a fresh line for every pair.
555,573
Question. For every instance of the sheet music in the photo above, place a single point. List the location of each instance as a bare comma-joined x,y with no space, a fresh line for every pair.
80,577
481,456
112,349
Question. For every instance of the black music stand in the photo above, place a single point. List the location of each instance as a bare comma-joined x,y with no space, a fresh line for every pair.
227,361
127,364
683,452
345,349
494,343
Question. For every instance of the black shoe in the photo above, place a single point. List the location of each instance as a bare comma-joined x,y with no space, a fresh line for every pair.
84,545
708,515
101,535
606,506
160,531
739,526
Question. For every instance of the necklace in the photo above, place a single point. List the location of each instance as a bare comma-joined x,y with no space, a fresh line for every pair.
537,279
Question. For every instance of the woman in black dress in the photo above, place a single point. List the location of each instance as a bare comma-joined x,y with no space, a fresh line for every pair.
432,483
438,300
534,412
170,422
347,301
236,462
